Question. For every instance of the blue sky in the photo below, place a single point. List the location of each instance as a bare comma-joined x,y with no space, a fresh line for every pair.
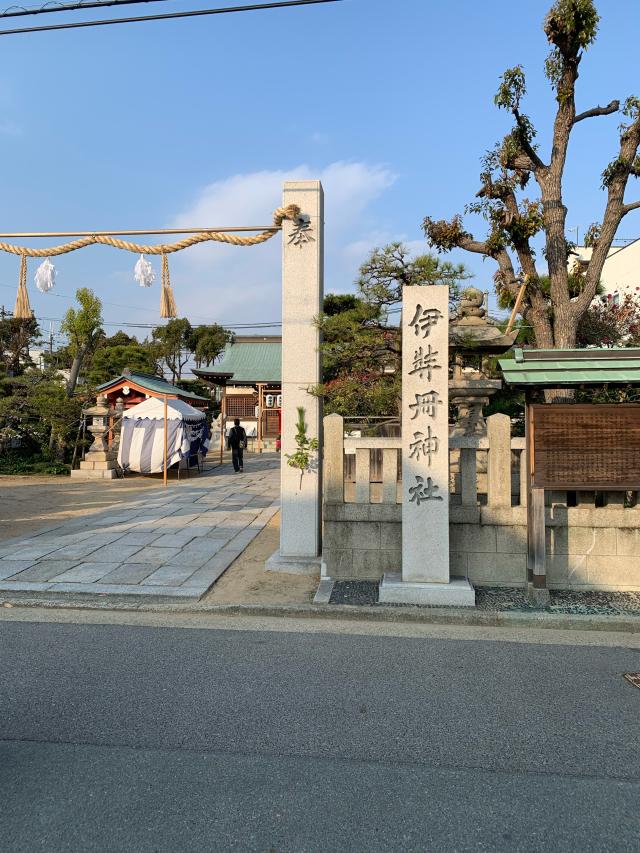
198,122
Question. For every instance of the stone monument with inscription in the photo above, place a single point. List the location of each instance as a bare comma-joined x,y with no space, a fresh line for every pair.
302,295
424,576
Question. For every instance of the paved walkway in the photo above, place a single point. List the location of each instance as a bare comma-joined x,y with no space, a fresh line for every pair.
172,543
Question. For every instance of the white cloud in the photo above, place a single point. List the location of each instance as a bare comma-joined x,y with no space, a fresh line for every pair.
242,284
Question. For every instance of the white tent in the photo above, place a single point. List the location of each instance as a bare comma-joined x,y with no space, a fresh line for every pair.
142,441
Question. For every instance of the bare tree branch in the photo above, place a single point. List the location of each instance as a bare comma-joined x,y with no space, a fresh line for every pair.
523,163
471,245
527,147
614,211
613,107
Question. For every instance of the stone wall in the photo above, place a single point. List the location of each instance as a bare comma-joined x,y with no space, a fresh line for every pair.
587,548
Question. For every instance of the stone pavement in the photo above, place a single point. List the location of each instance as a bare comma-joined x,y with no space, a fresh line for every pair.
171,543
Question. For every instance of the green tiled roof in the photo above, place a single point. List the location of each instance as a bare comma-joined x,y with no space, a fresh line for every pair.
259,361
151,383
572,367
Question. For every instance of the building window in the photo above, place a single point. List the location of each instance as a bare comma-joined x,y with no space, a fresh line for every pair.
241,406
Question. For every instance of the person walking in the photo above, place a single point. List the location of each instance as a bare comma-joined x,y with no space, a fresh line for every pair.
237,442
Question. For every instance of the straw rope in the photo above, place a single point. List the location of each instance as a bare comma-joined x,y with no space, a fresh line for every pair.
167,302
22,308
281,213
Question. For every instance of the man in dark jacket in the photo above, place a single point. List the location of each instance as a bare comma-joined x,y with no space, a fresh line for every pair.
237,442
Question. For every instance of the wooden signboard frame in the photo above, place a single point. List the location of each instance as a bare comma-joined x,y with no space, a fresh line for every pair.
599,447
592,447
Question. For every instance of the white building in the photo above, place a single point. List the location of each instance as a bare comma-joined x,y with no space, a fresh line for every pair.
621,271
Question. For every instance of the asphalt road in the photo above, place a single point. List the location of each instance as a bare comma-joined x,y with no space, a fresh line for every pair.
120,738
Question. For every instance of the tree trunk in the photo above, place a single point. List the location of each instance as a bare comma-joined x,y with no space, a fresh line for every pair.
75,371
565,329
59,448
538,318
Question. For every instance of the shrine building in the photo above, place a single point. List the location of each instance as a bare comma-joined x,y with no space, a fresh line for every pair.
247,382
133,388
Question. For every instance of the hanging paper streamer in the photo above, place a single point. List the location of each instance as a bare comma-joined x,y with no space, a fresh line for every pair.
22,310
167,302
143,272
45,277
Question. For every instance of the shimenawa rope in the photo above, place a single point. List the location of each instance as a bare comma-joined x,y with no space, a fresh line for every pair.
23,310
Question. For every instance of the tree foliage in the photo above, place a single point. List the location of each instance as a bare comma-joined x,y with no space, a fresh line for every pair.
16,338
173,342
83,328
36,409
387,270
361,345
514,218
207,343
177,341
112,358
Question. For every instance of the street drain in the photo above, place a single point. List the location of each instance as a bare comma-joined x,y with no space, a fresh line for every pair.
633,678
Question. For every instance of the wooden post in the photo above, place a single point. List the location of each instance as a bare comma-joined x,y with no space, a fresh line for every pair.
537,535
524,489
518,303
166,438
260,398
528,442
223,419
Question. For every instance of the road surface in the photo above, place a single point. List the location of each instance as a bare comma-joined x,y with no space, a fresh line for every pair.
136,738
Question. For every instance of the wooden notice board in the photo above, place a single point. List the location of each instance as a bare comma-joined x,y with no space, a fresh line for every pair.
584,447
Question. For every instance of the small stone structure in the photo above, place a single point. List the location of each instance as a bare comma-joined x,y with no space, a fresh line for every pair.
99,463
472,335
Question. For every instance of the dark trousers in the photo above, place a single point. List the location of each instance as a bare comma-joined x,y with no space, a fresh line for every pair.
236,458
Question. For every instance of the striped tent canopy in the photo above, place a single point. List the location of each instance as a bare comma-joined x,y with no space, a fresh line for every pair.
142,437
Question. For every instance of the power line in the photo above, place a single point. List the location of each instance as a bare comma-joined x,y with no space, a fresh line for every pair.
21,11
169,15
119,324
118,305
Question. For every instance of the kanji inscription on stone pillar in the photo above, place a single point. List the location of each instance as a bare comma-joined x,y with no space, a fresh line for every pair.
425,434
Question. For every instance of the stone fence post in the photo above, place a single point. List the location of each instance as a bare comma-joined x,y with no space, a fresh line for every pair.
499,464
333,476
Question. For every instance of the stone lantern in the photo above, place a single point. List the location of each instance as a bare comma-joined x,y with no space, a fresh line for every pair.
472,337
97,465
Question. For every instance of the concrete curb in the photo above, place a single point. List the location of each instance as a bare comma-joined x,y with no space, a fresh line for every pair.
431,615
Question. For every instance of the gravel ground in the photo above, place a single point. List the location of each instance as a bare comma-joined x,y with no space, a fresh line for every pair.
354,592
586,602
510,598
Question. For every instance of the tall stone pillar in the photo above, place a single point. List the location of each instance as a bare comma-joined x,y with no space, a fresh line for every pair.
302,296
424,576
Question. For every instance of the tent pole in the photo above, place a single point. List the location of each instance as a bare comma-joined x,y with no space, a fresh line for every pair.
166,440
